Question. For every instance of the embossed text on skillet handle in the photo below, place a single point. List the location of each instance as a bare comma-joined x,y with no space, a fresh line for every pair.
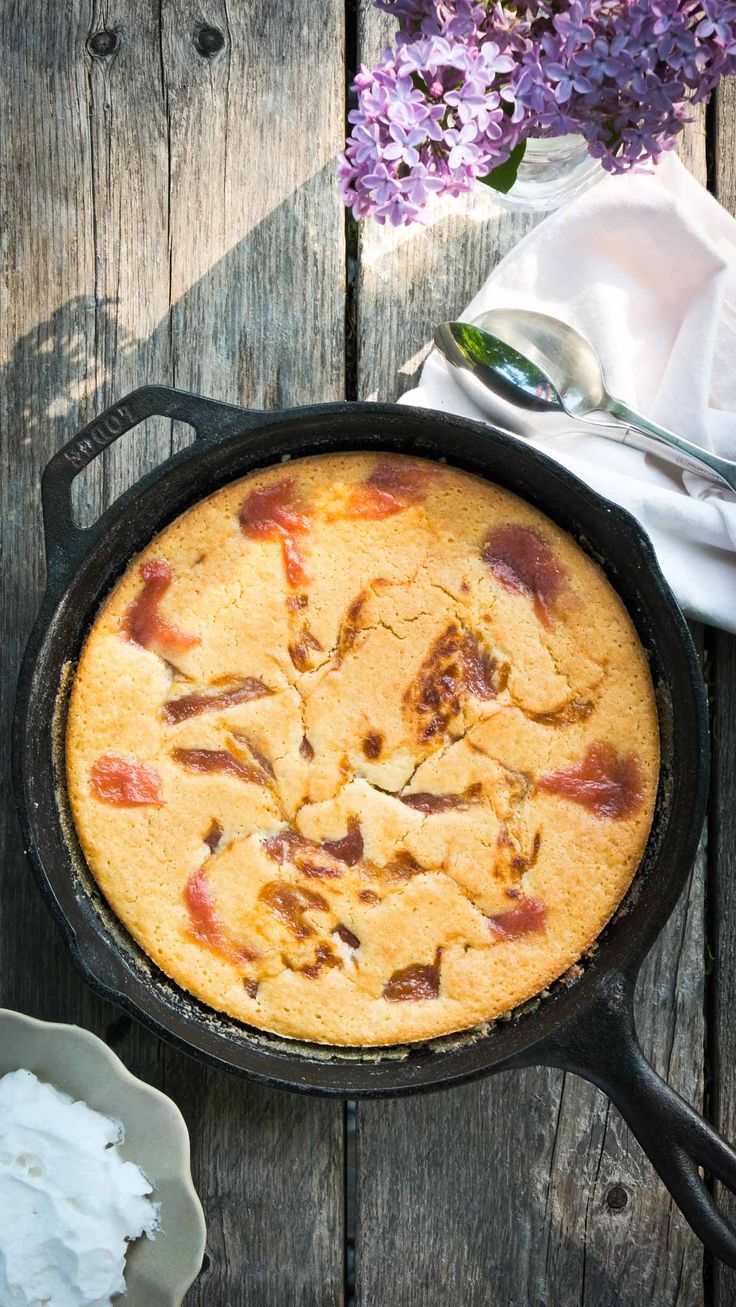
209,418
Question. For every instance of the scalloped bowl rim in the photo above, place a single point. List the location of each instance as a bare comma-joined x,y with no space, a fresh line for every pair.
158,1272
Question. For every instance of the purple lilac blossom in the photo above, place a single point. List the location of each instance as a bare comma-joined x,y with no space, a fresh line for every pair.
466,80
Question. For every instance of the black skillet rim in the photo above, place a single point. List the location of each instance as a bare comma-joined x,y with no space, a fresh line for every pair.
312,1068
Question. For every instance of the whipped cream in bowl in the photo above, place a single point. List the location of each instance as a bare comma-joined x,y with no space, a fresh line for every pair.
96,1198
69,1203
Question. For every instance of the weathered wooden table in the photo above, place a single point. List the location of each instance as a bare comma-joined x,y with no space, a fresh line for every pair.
169,212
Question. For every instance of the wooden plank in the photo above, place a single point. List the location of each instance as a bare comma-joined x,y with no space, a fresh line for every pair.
186,228
722,925
526,1188
257,227
722,882
52,328
256,292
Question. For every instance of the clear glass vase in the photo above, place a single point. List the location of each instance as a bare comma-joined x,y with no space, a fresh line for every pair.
552,172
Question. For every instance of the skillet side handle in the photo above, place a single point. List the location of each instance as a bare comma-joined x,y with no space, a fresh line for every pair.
210,419
603,1047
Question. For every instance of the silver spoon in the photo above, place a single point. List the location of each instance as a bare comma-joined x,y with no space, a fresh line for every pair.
540,364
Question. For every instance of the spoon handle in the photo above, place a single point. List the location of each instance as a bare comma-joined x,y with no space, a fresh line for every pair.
654,439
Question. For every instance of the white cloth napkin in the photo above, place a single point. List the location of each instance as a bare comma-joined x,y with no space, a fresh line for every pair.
645,266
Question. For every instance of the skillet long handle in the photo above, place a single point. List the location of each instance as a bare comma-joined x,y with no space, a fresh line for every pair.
210,419
602,1046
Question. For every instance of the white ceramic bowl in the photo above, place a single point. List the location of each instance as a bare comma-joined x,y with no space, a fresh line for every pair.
157,1272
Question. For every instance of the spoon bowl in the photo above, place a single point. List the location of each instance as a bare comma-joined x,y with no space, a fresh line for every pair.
566,358
498,364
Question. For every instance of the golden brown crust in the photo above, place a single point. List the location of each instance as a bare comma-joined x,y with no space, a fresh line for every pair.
326,750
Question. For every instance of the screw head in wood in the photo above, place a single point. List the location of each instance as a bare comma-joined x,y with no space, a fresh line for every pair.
209,41
616,1198
103,43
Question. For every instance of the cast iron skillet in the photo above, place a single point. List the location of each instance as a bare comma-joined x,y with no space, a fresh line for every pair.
587,1026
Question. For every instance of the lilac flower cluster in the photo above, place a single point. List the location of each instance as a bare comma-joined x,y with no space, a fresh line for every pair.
467,80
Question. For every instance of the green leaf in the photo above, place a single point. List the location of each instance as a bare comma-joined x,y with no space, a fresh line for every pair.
612,140
503,177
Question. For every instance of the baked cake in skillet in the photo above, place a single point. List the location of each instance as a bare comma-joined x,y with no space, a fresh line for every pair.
363,749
